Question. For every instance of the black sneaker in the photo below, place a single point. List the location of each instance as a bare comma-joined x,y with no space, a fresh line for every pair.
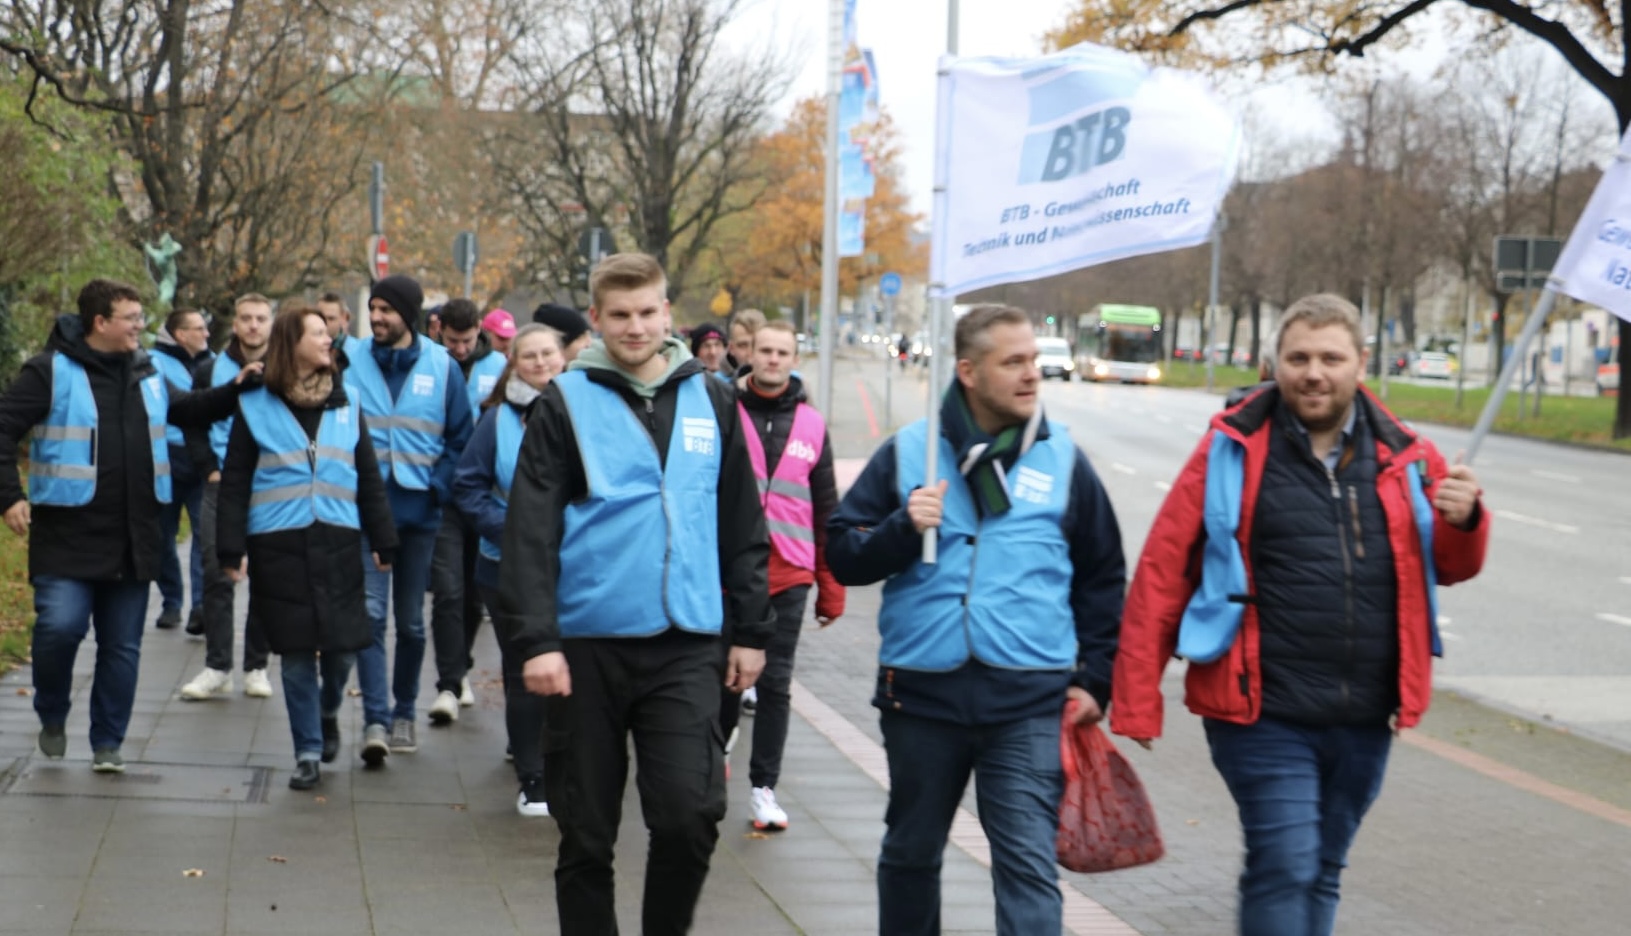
195,623
306,775
53,741
169,619
331,739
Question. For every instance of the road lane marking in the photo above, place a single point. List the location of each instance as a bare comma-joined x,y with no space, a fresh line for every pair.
1513,777
1163,485
1516,517
1554,475
1625,580
1124,469
866,404
1083,915
1614,618
1449,636
1193,427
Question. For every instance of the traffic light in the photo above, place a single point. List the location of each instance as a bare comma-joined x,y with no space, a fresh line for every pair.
1050,320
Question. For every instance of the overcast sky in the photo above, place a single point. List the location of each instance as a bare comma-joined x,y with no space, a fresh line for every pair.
907,38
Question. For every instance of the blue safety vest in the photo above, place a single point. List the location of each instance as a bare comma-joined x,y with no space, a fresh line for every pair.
505,450
177,373
62,455
1000,591
643,532
407,431
483,377
1213,615
224,370
298,481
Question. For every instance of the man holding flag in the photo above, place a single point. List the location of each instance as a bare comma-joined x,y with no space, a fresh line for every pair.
981,650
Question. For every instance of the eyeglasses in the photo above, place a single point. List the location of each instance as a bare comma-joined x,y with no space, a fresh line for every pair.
139,318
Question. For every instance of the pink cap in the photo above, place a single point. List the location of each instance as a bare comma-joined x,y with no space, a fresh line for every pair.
500,323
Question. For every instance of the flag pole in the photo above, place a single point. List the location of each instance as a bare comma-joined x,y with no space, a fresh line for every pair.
829,230
940,304
1497,394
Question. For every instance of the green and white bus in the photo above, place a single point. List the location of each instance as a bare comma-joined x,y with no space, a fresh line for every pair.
1119,342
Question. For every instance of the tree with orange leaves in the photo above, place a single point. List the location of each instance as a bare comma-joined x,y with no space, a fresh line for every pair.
773,254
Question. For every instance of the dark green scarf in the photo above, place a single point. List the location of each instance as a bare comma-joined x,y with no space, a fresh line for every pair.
984,461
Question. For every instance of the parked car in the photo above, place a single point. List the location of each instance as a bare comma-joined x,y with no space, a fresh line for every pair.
1432,364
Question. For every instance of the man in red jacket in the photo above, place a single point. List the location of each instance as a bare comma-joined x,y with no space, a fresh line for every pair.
792,457
1293,565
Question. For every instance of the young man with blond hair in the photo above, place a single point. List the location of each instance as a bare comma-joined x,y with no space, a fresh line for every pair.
638,544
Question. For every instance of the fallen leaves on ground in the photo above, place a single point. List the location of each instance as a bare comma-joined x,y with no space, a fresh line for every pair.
25,691
193,872
277,858
756,835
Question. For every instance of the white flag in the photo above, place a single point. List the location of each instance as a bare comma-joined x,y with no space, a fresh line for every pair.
1069,160
1595,265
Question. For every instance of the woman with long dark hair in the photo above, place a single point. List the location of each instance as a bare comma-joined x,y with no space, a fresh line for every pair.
299,486
481,489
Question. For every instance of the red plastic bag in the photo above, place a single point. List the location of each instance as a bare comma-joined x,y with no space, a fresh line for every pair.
1105,819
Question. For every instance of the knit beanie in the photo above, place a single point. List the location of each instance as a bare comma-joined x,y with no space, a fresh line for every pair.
702,333
403,294
564,319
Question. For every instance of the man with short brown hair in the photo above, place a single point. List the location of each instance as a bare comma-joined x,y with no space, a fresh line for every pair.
643,550
1293,565
182,344
982,650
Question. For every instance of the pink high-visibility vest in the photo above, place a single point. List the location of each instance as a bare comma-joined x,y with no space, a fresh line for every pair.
789,510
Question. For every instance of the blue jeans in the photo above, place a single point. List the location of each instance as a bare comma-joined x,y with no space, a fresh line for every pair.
65,609
307,702
1018,782
1301,792
404,586
187,490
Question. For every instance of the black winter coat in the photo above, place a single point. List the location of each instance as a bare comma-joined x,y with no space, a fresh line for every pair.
306,585
115,537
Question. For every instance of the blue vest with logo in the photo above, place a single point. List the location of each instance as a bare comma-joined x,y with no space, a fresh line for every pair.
223,372
483,377
1000,591
62,455
297,481
177,373
406,432
505,450
1213,615
645,531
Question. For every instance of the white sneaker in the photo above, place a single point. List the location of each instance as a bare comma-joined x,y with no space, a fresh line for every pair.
530,801
256,685
750,700
467,696
445,710
208,683
766,814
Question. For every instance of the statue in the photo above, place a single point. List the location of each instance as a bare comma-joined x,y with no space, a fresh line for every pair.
161,266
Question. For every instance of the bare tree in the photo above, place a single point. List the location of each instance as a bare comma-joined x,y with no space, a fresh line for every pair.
243,149
638,121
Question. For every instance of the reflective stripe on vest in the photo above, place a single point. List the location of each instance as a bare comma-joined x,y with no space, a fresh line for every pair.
483,378
1000,591
506,447
223,371
1212,618
177,373
785,494
407,431
641,551
297,481
62,454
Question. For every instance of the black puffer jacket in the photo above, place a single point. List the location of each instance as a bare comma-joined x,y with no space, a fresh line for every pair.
1327,592
115,537
306,585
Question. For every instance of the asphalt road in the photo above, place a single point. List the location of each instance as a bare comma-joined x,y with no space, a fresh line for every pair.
1545,631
